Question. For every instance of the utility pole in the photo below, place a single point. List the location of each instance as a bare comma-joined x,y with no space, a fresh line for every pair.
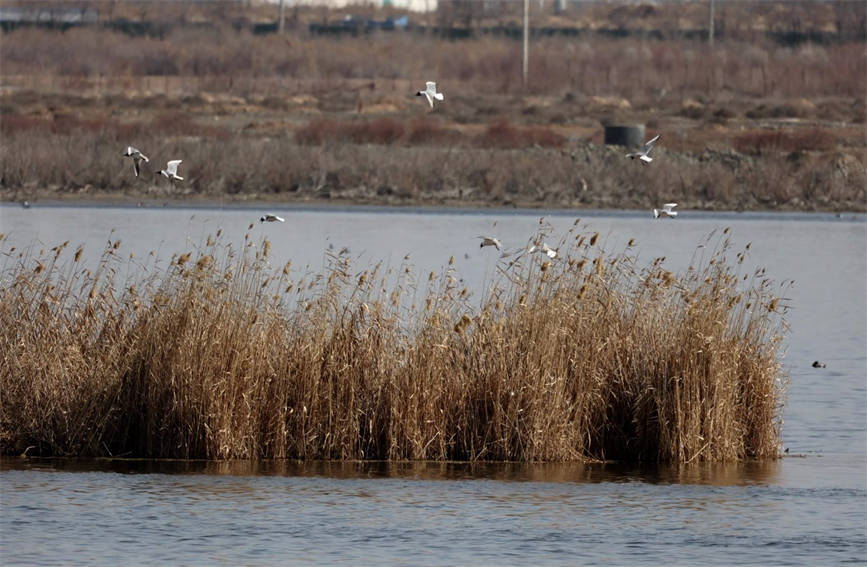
526,39
710,26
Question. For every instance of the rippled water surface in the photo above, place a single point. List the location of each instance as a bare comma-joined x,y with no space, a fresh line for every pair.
808,508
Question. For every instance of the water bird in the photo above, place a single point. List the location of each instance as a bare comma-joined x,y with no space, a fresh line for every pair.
642,154
137,158
549,251
171,170
544,249
817,364
431,93
490,241
667,210
271,218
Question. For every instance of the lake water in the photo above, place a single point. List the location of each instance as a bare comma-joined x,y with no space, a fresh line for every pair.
808,508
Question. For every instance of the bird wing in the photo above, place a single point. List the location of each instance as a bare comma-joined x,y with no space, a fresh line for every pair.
650,143
669,206
431,87
645,158
135,166
429,98
172,166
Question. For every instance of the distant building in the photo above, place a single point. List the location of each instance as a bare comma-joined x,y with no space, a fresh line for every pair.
414,5
55,16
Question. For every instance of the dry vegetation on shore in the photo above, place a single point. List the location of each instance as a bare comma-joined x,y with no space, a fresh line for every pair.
219,355
749,124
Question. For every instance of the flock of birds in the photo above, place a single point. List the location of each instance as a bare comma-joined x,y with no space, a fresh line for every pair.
430,92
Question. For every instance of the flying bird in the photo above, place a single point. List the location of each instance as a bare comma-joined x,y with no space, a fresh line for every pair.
549,251
171,170
642,154
137,158
431,93
489,241
667,210
271,218
544,249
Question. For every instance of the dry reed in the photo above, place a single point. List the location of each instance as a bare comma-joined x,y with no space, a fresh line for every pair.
219,355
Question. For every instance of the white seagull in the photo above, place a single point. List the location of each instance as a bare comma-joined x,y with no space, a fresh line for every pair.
667,210
171,170
642,154
431,93
137,158
489,241
544,249
271,218
549,251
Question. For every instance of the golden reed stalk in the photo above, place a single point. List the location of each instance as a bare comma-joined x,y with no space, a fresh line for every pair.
217,355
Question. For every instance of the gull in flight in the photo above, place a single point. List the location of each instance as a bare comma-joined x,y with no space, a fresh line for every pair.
489,241
171,170
667,210
544,249
271,218
642,154
137,158
431,93
549,251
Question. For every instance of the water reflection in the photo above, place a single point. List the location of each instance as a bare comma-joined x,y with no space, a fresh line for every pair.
720,474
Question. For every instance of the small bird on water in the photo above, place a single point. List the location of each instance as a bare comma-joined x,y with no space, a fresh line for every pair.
817,364
137,158
271,218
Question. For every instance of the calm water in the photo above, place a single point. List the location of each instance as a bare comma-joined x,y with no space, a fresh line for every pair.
805,509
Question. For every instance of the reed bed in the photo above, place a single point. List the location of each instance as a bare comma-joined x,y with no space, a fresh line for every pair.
217,354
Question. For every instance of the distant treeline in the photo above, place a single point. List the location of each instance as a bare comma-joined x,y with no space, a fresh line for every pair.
12,18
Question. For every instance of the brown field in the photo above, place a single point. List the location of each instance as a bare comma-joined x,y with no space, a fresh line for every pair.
750,123
220,355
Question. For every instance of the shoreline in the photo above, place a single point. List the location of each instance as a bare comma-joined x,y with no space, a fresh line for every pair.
452,206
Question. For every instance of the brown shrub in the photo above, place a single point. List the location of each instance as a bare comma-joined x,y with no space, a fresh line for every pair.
318,131
14,123
762,141
427,132
502,134
379,131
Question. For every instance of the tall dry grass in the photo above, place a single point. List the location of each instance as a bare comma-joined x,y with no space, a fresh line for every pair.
219,355
636,68
429,164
